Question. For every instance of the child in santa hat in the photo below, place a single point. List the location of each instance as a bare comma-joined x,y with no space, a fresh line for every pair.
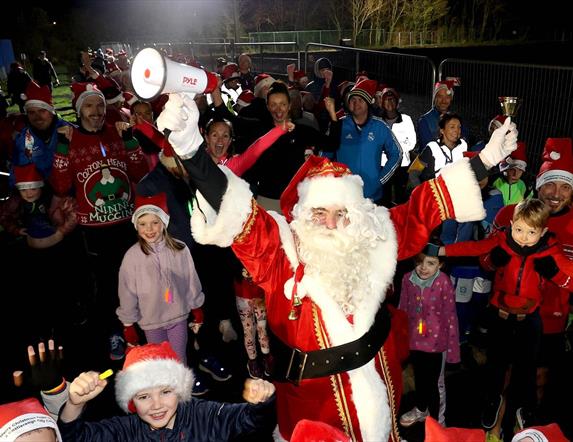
156,386
158,284
27,420
38,215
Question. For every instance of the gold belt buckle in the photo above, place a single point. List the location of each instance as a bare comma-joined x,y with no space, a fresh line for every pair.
300,366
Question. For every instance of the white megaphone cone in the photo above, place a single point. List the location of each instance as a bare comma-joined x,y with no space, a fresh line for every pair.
152,74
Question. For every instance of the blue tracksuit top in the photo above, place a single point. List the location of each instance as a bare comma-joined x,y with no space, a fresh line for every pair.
361,150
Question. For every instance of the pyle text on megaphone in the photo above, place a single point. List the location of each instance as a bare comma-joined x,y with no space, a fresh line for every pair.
152,74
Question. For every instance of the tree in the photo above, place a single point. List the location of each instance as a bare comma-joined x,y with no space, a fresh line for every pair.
362,11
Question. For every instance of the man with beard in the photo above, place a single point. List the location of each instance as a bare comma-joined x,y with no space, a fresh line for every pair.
36,142
554,187
99,168
325,267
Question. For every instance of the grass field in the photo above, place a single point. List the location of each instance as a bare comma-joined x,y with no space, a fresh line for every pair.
61,98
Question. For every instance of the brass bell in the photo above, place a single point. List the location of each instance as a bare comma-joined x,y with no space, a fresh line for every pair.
293,315
296,302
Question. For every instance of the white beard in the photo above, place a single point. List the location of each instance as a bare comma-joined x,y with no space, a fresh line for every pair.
338,258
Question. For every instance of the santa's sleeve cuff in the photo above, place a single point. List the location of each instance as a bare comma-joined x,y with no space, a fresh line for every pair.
464,191
220,228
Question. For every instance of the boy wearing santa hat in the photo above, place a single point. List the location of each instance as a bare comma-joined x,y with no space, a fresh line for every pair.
155,388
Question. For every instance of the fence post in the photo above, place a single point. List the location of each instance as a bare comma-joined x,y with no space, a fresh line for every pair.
357,67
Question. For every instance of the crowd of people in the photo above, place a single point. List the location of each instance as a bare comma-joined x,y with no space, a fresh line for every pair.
308,219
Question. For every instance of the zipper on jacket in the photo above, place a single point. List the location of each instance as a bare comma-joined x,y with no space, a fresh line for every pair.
518,285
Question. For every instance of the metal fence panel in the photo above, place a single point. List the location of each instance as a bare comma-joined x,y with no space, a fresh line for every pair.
413,76
545,92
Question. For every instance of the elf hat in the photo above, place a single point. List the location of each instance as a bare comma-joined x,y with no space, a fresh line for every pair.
38,96
27,177
446,85
245,98
315,431
17,418
150,366
261,81
557,162
155,204
365,89
321,183
81,91
517,159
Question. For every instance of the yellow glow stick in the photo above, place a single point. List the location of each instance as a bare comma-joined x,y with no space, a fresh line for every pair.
106,374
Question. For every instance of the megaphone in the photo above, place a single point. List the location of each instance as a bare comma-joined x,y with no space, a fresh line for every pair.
153,74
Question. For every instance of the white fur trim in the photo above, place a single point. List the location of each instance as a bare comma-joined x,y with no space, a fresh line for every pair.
153,373
325,191
150,208
29,185
369,391
41,104
510,162
464,191
221,228
26,422
115,99
554,175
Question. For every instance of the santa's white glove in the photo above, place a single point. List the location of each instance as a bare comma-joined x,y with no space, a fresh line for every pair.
503,141
227,330
181,117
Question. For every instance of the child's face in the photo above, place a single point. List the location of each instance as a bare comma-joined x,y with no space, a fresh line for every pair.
525,235
157,406
513,175
427,267
31,195
150,227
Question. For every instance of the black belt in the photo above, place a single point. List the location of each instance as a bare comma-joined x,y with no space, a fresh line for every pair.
293,364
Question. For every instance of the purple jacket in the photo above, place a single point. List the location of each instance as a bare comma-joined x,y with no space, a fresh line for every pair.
435,306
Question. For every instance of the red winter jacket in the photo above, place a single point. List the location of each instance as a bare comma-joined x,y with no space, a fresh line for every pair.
518,288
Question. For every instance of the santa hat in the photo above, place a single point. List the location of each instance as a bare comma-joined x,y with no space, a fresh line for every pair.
545,433
38,96
150,366
322,183
446,85
518,158
315,431
129,98
155,204
557,162
17,418
27,177
391,91
366,89
230,72
298,74
261,81
81,91
245,98
436,433
495,123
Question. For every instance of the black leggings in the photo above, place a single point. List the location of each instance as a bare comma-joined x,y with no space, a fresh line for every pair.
427,368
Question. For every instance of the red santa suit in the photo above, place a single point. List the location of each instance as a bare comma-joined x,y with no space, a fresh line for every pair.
362,402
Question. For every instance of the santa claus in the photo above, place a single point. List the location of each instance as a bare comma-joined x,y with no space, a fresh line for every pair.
325,265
